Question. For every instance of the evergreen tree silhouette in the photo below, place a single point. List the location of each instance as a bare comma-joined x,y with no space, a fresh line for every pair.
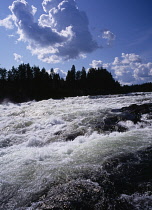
27,83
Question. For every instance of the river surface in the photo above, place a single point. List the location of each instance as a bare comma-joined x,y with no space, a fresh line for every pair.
53,156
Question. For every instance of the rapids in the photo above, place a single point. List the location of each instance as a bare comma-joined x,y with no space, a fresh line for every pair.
53,156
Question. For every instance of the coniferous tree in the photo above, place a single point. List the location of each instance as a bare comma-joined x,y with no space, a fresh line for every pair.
83,82
3,73
71,77
27,83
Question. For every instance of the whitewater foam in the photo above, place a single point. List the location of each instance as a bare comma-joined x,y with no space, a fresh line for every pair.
45,143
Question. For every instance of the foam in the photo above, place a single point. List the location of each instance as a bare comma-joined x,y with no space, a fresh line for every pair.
34,145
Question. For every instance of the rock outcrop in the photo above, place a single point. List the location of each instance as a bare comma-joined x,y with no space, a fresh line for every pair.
131,113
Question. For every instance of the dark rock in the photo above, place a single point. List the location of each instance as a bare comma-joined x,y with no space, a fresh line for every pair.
131,173
111,124
102,188
5,143
58,133
73,135
80,195
132,113
76,194
138,109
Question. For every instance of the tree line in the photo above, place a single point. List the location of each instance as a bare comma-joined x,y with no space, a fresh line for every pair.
26,83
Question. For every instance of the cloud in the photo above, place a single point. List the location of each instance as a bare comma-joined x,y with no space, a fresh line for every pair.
11,35
61,73
109,36
130,69
7,22
34,10
61,33
29,30
18,58
144,72
96,64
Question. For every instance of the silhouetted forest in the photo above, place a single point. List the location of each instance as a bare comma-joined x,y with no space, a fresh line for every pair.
26,83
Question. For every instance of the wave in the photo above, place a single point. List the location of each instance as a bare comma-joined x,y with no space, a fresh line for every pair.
77,153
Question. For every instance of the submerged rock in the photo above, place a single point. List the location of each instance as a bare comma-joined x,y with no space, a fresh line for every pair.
114,186
111,121
73,135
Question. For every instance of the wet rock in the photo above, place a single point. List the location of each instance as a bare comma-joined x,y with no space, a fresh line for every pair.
131,173
5,143
110,187
138,109
58,133
7,192
132,113
77,194
80,195
109,124
73,135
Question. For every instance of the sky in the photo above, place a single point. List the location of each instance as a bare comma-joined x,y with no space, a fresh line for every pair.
116,35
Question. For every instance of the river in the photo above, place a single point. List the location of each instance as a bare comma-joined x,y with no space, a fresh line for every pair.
55,155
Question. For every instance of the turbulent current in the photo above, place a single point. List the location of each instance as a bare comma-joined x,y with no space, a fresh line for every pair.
77,153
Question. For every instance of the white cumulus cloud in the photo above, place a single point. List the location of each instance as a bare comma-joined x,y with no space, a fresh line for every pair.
109,36
61,73
18,57
61,33
7,22
96,64
130,69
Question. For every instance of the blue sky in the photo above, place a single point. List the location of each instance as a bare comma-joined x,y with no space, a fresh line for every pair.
59,33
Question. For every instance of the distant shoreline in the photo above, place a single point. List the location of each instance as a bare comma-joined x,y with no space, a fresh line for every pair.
27,83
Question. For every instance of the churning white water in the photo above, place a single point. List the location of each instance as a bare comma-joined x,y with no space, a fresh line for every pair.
47,143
